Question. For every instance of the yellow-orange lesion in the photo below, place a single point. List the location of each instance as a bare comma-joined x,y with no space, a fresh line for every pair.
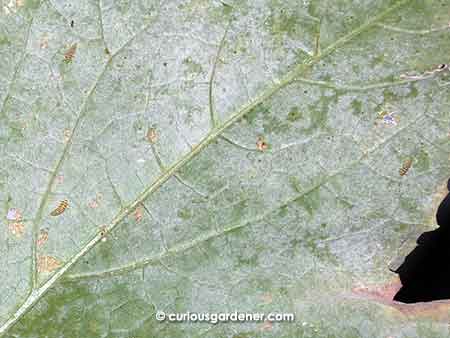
17,229
43,237
47,264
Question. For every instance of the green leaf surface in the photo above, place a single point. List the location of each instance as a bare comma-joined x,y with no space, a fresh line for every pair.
218,157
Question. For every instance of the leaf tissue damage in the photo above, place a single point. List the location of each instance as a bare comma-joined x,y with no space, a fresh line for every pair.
423,274
208,156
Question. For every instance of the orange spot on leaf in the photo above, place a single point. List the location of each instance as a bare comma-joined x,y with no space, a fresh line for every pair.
261,145
138,215
47,264
17,229
152,135
43,237
70,53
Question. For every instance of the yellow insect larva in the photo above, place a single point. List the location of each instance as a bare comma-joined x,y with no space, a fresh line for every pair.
405,167
68,56
60,208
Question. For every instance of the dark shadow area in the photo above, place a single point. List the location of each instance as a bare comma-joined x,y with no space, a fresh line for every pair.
425,273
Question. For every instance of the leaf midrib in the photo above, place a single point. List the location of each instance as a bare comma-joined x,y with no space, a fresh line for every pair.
181,247
38,292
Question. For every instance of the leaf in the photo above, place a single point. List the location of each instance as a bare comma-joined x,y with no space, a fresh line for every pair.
219,157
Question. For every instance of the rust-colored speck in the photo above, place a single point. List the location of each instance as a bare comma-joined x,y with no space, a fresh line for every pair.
152,135
138,214
17,229
95,203
43,237
59,179
261,144
47,264
70,53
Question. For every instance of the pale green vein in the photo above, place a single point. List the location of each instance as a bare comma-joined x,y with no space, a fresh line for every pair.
212,112
74,32
359,88
39,215
37,293
157,158
100,18
414,31
19,64
182,247
237,145
177,177
16,71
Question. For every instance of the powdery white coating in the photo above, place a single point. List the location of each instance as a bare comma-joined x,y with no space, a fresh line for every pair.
224,223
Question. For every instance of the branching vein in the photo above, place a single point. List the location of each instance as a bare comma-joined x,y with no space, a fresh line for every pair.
38,292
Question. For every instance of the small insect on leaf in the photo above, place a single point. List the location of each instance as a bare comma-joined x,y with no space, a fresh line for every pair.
261,145
72,23
60,208
47,264
405,167
152,135
70,53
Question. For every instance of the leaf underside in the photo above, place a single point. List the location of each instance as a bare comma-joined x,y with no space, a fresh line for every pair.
217,158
